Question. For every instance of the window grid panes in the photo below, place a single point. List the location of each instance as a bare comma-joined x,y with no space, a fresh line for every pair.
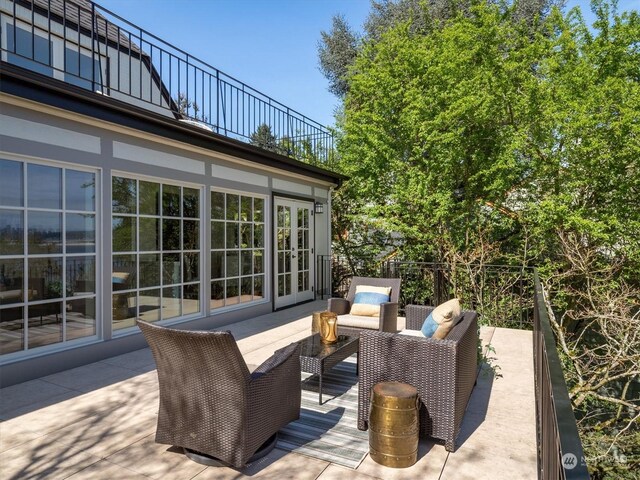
237,248
47,255
156,251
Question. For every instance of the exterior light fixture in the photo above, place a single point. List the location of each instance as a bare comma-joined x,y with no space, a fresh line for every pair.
319,207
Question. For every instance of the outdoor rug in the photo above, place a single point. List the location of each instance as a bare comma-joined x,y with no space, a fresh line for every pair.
329,431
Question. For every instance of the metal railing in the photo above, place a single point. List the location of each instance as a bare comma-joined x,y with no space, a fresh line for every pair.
83,43
560,454
503,296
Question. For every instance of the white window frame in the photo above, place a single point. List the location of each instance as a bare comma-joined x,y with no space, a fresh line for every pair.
97,254
266,273
201,302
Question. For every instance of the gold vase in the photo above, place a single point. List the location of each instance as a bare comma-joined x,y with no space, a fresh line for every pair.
328,327
316,321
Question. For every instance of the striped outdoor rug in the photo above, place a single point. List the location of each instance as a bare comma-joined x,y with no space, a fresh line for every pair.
329,431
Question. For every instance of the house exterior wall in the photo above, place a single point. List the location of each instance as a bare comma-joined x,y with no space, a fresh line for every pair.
121,74
34,134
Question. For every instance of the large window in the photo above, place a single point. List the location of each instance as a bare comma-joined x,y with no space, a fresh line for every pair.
30,49
237,248
81,69
156,251
47,255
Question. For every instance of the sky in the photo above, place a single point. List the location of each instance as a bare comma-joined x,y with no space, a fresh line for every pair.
270,45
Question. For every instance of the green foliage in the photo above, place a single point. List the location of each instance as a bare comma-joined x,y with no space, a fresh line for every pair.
264,138
499,136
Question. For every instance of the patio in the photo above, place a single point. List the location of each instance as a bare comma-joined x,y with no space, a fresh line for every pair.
98,421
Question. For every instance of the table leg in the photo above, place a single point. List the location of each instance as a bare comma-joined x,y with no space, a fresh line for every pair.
320,390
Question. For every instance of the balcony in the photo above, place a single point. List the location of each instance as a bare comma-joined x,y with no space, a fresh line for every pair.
86,46
99,420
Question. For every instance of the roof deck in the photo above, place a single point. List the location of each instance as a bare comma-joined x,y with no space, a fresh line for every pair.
99,420
88,47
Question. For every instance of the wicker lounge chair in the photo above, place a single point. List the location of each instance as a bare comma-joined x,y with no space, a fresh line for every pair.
209,402
353,324
443,371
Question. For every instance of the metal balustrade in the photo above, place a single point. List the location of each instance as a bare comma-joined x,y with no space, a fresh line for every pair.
84,44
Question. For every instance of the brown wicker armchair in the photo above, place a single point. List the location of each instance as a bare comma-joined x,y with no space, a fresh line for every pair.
209,402
443,371
354,324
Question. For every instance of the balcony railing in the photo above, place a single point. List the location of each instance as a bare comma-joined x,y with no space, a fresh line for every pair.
84,44
503,296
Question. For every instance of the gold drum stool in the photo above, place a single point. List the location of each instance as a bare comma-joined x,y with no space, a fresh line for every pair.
393,424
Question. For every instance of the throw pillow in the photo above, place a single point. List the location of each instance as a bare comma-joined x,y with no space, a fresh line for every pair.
368,299
441,320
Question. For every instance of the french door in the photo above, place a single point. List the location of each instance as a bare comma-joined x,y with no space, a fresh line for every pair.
293,251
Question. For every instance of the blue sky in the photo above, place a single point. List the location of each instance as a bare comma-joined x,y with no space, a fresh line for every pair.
270,45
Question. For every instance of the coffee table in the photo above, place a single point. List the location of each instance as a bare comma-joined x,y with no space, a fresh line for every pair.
318,357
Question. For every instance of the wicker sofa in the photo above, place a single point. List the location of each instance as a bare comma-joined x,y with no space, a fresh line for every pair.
443,371
209,402
352,324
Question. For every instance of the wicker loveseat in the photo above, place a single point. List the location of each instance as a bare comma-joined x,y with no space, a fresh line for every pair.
210,404
443,371
352,324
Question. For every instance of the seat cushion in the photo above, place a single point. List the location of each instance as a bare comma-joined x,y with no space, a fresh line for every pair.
411,333
442,319
367,300
358,321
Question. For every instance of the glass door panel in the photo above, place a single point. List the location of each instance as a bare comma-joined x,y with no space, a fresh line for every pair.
294,251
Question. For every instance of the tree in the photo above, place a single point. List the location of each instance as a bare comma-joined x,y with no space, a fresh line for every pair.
339,48
487,135
337,51
264,138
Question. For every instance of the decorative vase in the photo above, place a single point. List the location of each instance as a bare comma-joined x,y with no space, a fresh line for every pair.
328,327
316,321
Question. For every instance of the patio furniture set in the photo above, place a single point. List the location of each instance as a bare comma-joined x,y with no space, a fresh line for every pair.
220,413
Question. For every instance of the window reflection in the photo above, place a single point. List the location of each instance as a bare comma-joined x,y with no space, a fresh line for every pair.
170,200
123,195
150,270
170,234
11,183
124,234
11,232
11,330
81,233
149,198
45,278
149,305
44,186
81,275
171,302
191,203
80,190
11,285
45,324
191,300
45,232
81,318
150,234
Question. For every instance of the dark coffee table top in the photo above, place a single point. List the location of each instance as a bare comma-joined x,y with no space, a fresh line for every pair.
312,346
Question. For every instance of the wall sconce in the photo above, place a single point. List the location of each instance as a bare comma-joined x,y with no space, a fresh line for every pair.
319,207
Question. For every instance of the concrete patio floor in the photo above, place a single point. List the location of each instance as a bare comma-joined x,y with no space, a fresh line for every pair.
98,421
